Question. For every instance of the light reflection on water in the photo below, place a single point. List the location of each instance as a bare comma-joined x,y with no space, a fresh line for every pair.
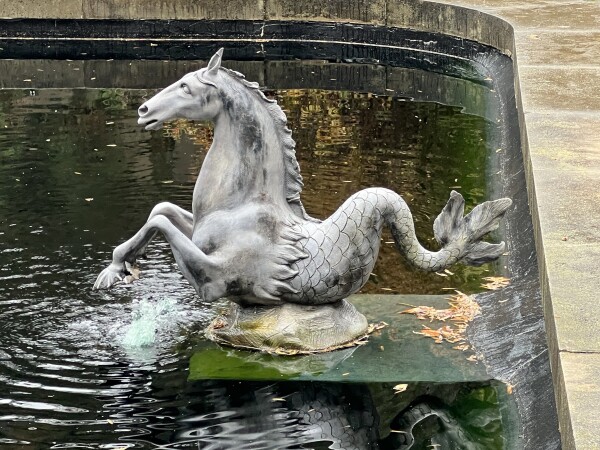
83,369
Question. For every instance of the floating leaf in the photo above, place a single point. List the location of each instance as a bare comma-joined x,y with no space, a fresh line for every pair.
134,273
400,388
495,283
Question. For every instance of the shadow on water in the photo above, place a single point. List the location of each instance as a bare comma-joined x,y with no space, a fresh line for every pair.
83,369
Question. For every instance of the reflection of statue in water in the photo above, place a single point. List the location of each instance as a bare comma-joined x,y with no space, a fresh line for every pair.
248,237
440,429
329,415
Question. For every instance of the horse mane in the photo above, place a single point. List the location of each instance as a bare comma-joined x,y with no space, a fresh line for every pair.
293,178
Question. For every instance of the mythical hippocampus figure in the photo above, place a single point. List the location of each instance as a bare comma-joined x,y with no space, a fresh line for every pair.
249,239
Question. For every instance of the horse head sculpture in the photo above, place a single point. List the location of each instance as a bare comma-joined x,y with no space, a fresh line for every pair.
248,237
194,97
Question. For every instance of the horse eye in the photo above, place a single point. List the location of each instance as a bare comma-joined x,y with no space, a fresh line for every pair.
185,88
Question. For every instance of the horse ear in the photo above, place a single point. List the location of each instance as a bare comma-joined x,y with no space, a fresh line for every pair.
215,62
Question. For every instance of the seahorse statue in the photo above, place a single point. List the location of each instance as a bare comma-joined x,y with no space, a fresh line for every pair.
248,237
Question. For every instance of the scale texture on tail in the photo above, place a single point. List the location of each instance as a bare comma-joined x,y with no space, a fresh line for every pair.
342,250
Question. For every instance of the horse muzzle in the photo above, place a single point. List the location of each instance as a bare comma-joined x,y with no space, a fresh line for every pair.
146,119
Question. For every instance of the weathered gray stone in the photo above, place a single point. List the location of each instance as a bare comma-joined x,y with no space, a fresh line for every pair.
452,20
48,9
173,9
583,397
551,47
332,10
563,88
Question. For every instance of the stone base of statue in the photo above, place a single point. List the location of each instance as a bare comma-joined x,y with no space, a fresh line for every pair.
291,328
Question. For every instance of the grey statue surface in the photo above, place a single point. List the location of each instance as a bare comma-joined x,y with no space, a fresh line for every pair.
249,239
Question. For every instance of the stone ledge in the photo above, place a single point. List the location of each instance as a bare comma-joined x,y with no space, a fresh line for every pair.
582,392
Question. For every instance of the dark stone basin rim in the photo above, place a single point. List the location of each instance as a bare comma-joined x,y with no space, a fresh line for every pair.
239,30
253,40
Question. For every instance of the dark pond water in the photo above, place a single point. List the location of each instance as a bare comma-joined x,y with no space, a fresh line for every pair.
83,369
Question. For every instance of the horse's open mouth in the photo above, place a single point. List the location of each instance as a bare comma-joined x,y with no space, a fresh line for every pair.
153,124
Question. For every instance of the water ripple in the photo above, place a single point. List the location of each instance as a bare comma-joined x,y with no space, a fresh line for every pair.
84,369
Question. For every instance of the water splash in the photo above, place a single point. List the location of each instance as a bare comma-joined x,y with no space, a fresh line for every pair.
148,317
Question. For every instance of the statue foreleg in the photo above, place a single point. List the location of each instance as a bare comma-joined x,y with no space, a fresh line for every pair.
191,260
182,219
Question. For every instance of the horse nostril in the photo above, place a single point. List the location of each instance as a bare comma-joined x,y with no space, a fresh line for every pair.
142,110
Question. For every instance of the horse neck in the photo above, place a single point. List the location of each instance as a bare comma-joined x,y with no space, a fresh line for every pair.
245,161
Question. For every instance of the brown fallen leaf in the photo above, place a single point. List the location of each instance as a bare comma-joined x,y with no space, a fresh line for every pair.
133,273
428,312
445,333
463,309
495,283
400,388
218,324
462,347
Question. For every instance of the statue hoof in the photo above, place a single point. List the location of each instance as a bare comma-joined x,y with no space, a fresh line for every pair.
115,273
290,328
109,277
